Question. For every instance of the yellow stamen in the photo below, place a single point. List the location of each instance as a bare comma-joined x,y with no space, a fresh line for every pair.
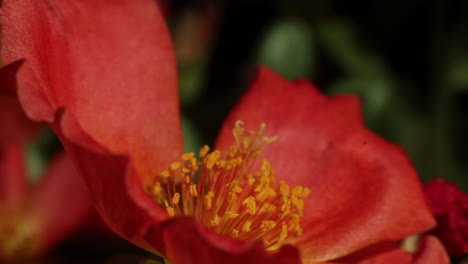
193,190
174,166
231,197
216,220
17,236
232,214
204,151
176,198
246,226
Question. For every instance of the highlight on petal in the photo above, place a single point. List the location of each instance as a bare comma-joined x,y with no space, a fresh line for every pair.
450,207
121,90
189,242
104,74
363,188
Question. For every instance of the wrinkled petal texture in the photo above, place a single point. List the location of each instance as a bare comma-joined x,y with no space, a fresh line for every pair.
59,204
109,63
450,207
111,67
189,242
363,188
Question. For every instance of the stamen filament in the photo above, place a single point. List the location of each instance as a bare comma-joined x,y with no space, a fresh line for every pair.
232,197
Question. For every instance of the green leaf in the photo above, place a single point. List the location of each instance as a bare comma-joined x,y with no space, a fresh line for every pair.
288,48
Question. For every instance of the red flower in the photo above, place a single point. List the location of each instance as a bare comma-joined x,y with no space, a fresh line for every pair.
34,217
450,208
103,74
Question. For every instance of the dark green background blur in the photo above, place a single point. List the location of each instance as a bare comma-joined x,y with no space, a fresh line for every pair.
407,60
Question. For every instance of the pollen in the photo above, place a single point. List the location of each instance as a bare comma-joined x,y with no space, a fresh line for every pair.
234,193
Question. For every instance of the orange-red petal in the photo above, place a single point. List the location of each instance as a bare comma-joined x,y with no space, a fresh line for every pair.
364,189
13,186
430,251
110,63
103,72
114,187
16,127
186,241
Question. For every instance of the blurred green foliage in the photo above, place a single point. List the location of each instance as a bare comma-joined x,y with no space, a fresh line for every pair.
408,65
287,47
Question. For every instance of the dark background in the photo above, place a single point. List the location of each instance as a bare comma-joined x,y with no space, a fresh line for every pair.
407,60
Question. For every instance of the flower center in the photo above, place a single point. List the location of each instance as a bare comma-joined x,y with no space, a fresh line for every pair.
230,197
16,237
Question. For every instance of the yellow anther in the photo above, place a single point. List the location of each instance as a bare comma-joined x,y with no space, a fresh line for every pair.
286,207
193,190
267,225
170,211
284,189
251,204
216,220
298,230
269,140
232,152
232,214
236,189
165,174
174,165
297,190
265,194
235,233
231,164
194,164
299,203
188,156
268,208
284,233
157,190
176,198
305,193
203,151
221,164
250,179
246,226
208,200
238,131
265,167
233,196
295,218
212,158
